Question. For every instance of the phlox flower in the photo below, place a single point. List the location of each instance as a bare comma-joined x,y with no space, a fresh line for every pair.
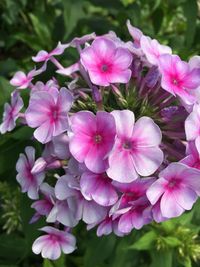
153,50
92,139
29,182
55,241
49,114
192,124
45,56
99,188
178,78
109,225
192,158
22,80
68,189
106,63
135,33
44,205
51,86
136,150
11,113
176,189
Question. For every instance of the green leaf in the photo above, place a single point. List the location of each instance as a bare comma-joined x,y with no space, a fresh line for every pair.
161,258
48,263
146,242
5,89
190,10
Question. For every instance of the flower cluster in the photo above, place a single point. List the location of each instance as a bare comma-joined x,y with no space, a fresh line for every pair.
120,139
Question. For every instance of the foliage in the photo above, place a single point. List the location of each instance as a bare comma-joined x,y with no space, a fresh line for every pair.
29,26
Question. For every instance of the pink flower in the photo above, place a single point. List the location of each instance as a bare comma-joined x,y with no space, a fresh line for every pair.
22,80
153,50
45,205
29,182
176,189
55,241
93,138
193,155
49,114
178,78
99,188
192,124
45,56
51,86
68,189
106,63
136,150
11,113
135,33
108,226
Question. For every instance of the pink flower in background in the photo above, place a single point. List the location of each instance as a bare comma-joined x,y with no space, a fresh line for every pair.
135,33
153,50
109,225
99,188
178,78
29,182
176,189
48,114
106,63
45,56
11,113
136,150
51,86
22,80
55,241
192,124
93,138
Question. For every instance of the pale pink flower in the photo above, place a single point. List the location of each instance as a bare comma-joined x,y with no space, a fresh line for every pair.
11,113
22,80
176,189
153,50
98,187
45,56
93,138
51,86
106,63
192,124
29,182
44,205
55,241
109,225
135,33
193,155
50,115
178,78
136,150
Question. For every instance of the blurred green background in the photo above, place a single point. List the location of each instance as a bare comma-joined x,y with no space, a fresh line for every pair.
27,26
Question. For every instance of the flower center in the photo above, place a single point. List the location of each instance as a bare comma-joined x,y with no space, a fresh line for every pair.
104,67
175,81
172,183
97,138
127,145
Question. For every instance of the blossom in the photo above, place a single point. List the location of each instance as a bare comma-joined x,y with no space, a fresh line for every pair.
178,78
45,56
192,158
176,189
11,113
153,50
29,182
55,241
49,114
192,124
93,138
99,188
45,205
106,63
22,80
51,86
136,150
135,33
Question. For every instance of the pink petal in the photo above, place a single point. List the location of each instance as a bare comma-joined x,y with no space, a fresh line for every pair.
185,197
103,48
169,206
69,244
92,212
41,56
122,59
124,120
18,79
122,76
44,133
147,160
51,251
146,133
65,100
83,122
79,146
39,243
192,124
156,190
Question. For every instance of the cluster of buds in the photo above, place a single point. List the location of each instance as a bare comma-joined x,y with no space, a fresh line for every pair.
130,158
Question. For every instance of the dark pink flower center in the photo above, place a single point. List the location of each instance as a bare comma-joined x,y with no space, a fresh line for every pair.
175,81
54,238
104,67
54,113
